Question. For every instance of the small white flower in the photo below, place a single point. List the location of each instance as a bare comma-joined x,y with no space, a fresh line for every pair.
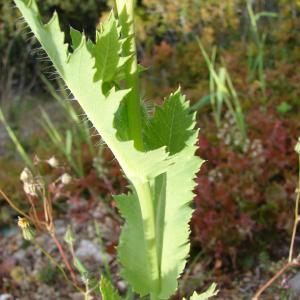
33,187
30,189
297,146
53,162
26,175
66,178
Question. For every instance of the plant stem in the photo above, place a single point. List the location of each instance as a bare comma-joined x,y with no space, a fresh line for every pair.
102,248
87,292
148,214
132,77
12,205
62,253
297,219
276,276
125,10
290,262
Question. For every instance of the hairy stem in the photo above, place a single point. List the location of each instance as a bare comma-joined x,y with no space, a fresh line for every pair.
147,210
135,131
126,18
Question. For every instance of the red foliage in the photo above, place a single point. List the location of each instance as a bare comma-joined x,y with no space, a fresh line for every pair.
247,195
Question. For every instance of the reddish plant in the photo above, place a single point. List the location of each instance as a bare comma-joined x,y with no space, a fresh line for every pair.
245,194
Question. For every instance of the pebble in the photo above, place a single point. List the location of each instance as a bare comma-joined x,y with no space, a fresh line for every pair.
77,296
20,255
294,283
6,297
87,250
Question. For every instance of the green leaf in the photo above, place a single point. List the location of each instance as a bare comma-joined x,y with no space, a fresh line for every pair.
141,68
211,292
132,249
81,268
284,107
76,37
171,125
121,122
267,14
171,193
108,292
202,102
69,142
107,50
19,147
177,213
77,70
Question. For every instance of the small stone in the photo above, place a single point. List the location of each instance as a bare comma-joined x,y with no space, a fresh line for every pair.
6,297
87,250
60,227
20,255
122,286
294,283
77,296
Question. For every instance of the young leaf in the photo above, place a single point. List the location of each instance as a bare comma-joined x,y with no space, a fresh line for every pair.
211,292
107,50
76,37
19,147
108,292
171,125
81,268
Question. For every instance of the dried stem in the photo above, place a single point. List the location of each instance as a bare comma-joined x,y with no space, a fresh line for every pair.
5,197
35,215
276,276
297,218
290,262
293,238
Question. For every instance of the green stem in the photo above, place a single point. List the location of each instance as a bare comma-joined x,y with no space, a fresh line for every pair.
125,10
147,209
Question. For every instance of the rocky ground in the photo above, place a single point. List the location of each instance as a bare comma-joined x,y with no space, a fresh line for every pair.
27,274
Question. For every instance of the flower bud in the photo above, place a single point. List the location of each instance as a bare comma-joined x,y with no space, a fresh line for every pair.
69,236
27,231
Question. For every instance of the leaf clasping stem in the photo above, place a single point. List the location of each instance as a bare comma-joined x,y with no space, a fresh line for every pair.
147,209
132,77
